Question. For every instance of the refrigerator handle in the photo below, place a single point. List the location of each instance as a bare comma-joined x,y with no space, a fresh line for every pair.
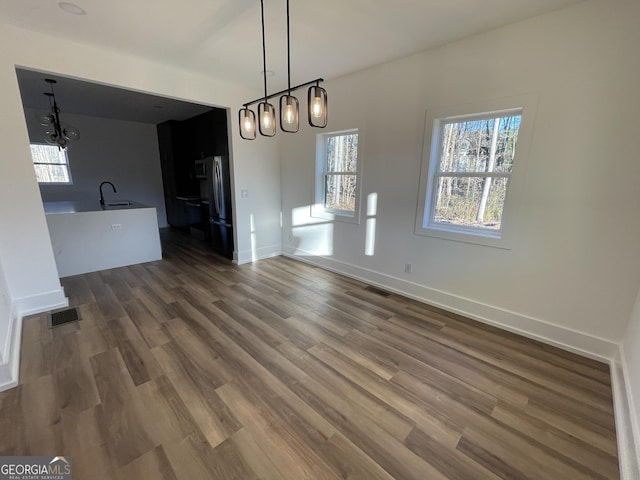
217,186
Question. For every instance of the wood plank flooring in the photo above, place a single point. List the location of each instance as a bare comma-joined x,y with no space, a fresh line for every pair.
192,368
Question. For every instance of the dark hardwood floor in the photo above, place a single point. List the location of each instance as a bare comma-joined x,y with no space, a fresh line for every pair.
193,368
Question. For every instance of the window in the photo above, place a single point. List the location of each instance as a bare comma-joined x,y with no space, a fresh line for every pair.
468,173
337,176
51,164
473,167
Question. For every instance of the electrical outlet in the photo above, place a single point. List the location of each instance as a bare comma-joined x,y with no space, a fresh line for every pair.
407,268
116,226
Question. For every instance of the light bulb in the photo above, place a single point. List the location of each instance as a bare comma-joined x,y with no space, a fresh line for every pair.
248,125
288,114
266,120
316,107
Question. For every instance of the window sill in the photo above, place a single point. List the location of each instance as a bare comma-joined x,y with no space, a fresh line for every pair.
483,238
318,211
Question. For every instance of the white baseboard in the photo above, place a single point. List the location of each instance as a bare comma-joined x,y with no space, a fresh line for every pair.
627,422
10,369
248,256
42,302
568,339
21,307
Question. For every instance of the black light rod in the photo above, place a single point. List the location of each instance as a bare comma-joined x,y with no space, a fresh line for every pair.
264,52
288,53
265,98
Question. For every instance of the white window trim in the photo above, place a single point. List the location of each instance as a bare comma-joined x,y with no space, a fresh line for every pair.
526,105
67,164
318,209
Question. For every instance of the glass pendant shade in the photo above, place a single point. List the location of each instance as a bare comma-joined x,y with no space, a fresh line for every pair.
247,121
51,138
289,113
266,119
70,133
45,119
317,107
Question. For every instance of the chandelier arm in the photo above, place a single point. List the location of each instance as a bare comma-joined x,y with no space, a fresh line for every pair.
317,81
57,126
56,112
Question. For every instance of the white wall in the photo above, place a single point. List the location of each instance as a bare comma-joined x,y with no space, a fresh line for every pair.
572,276
25,247
124,153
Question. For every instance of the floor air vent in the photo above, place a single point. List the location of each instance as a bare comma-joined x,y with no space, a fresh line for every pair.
64,316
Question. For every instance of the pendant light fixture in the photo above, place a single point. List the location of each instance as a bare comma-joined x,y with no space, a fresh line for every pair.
247,124
317,98
266,111
58,134
289,105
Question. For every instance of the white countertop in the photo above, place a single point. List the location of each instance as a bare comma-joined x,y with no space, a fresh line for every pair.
76,206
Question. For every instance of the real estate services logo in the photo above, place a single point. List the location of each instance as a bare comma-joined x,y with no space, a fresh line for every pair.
35,468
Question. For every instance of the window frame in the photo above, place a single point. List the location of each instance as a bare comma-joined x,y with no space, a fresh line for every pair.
425,224
66,164
318,209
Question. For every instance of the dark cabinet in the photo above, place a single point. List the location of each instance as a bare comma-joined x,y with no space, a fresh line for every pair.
206,134
181,143
176,178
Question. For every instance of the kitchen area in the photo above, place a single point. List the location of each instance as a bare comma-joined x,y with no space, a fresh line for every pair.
196,175
167,163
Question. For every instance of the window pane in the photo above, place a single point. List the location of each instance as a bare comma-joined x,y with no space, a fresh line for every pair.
470,201
52,173
342,153
51,164
467,146
48,154
340,192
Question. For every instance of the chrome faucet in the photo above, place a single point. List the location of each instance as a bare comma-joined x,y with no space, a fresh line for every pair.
101,195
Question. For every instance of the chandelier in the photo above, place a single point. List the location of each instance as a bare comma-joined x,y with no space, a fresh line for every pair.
58,133
289,105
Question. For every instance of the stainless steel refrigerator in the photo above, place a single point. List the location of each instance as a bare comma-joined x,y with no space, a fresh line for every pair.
220,214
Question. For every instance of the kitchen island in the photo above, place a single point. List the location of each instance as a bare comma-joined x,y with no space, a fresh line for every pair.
88,237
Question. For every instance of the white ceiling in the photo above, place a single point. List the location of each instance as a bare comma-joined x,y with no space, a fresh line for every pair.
222,38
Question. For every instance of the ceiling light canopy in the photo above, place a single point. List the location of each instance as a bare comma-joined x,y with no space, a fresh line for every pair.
58,133
289,105
72,8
